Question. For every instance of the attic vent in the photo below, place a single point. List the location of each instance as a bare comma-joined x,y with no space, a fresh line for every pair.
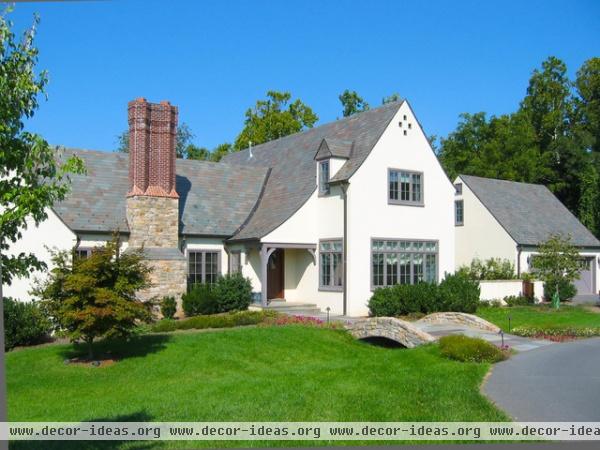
404,117
410,126
404,132
400,124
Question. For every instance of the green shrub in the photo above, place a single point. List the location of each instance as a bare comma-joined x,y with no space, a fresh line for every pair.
404,299
490,269
518,300
489,304
226,320
233,292
458,293
566,289
24,323
168,307
199,300
468,349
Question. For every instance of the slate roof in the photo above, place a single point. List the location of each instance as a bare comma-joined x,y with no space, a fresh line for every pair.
529,213
293,176
215,198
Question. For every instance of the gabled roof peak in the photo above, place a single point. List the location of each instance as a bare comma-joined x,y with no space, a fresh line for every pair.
334,148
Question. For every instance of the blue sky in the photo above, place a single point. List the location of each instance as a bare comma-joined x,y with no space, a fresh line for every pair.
214,59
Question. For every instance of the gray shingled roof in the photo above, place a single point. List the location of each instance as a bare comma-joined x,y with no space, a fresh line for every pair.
529,213
293,176
215,198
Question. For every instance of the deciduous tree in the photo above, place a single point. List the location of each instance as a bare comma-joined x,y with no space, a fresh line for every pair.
352,103
273,118
95,297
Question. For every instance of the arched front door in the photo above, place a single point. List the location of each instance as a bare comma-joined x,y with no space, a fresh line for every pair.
275,270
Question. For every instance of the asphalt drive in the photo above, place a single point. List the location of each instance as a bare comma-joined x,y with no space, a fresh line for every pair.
559,382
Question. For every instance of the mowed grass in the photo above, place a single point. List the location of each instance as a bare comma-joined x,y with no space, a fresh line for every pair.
288,373
541,316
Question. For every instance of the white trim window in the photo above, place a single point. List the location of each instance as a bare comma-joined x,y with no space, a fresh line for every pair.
324,177
402,261
331,265
459,212
405,187
203,266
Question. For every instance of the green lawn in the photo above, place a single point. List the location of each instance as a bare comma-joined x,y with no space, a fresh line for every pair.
542,316
287,373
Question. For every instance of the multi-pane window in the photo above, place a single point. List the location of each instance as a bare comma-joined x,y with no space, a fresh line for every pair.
459,212
203,267
235,262
324,177
331,265
405,187
404,262
82,253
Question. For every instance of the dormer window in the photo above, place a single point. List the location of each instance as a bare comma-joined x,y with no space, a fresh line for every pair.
324,177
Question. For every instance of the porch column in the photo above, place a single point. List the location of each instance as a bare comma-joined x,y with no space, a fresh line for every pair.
265,253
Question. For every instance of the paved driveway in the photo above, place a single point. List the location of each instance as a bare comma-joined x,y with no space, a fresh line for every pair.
558,382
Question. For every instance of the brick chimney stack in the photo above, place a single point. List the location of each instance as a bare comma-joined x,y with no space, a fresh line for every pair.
152,154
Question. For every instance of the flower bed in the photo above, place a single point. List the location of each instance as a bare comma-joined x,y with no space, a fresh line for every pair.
557,334
299,320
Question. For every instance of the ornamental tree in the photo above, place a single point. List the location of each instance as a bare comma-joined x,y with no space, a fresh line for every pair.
557,263
95,297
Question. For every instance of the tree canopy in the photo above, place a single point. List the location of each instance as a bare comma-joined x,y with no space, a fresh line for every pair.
33,175
275,117
551,139
352,103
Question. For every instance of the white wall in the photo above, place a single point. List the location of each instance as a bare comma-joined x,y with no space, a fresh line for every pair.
498,289
481,236
50,234
370,215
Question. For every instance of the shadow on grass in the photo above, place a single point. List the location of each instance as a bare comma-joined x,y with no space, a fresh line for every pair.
92,445
135,346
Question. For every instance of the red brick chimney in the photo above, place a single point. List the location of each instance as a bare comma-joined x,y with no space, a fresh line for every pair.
152,141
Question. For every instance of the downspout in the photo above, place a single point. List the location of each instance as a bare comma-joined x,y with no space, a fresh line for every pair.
344,187
519,250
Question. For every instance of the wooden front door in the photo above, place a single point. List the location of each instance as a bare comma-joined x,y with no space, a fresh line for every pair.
275,275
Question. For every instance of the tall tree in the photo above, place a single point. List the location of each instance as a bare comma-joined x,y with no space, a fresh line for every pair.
587,103
204,154
274,118
184,140
31,179
352,103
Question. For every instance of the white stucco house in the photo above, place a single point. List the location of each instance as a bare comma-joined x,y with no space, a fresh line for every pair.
325,216
506,219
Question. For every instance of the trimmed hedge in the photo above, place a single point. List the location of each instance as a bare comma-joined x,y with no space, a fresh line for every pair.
468,349
457,293
227,320
199,300
24,324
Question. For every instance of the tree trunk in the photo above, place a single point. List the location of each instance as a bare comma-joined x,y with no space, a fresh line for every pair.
3,410
90,346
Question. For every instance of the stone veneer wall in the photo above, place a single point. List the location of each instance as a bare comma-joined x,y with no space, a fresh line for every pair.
153,221
169,279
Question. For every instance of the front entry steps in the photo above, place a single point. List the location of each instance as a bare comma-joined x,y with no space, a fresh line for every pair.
294,308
